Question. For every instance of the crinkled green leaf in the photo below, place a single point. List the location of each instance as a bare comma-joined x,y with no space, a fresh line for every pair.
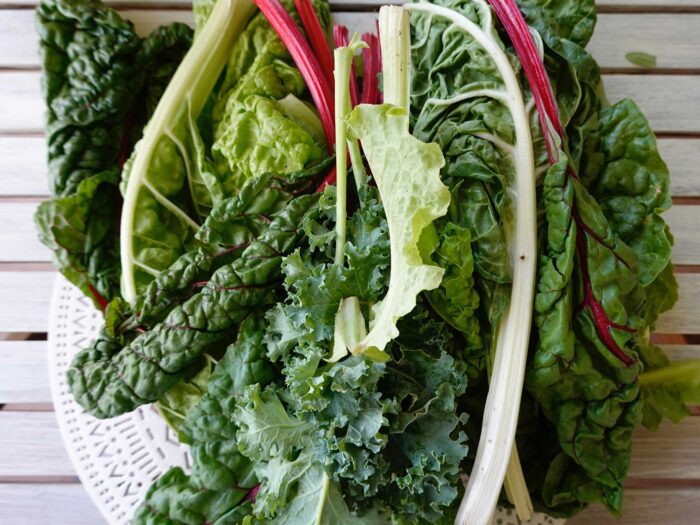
175,499
100,82
174,405
108,379
315,290
456,300
228,230
633,186
590,395
568,19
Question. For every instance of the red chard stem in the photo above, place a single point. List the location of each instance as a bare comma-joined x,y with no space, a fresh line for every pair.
555,138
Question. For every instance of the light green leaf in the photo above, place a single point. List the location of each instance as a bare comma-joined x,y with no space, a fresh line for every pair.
177,401
349,328
407,172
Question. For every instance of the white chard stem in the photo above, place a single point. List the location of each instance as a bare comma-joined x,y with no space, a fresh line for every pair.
187,91
503,400
394,34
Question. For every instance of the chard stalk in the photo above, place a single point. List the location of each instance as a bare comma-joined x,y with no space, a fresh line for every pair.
503,400
343,57
394,34
188,90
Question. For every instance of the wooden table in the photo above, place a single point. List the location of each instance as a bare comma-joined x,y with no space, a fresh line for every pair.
37,482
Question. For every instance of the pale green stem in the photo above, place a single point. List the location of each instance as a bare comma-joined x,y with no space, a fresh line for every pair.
188,90
322,499
342,73
343,57
358,168
175,413
503,400
678,372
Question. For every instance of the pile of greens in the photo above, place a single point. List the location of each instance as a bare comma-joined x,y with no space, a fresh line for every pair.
346,309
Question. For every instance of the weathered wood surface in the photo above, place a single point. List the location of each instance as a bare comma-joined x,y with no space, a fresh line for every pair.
672,38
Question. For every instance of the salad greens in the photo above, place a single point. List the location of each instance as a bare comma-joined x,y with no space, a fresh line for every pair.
344,299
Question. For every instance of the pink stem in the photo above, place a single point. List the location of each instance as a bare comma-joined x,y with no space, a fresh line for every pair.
321,90
372,58
317,37
512,19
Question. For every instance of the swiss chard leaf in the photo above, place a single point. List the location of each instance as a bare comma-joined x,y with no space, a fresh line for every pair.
100,82
108,379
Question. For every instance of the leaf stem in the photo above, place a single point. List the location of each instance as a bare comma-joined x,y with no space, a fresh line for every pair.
503,400
343,57
679,372
192,83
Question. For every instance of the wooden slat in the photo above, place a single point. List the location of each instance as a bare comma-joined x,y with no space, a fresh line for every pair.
20,40
23,166
24,301
664,453
656,455
682,157
23,170
669,101
685,225
679,352
647,507
23,372
21,102
20,361
672,38
18,234
47,504
30,445
683,319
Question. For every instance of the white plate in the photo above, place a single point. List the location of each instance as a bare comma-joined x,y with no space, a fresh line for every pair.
116,459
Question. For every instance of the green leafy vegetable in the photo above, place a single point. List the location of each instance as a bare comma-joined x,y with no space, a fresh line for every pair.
319,354
108,379
413,197
100,82
161,167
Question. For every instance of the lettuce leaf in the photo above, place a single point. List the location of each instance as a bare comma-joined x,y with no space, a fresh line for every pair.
413,197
